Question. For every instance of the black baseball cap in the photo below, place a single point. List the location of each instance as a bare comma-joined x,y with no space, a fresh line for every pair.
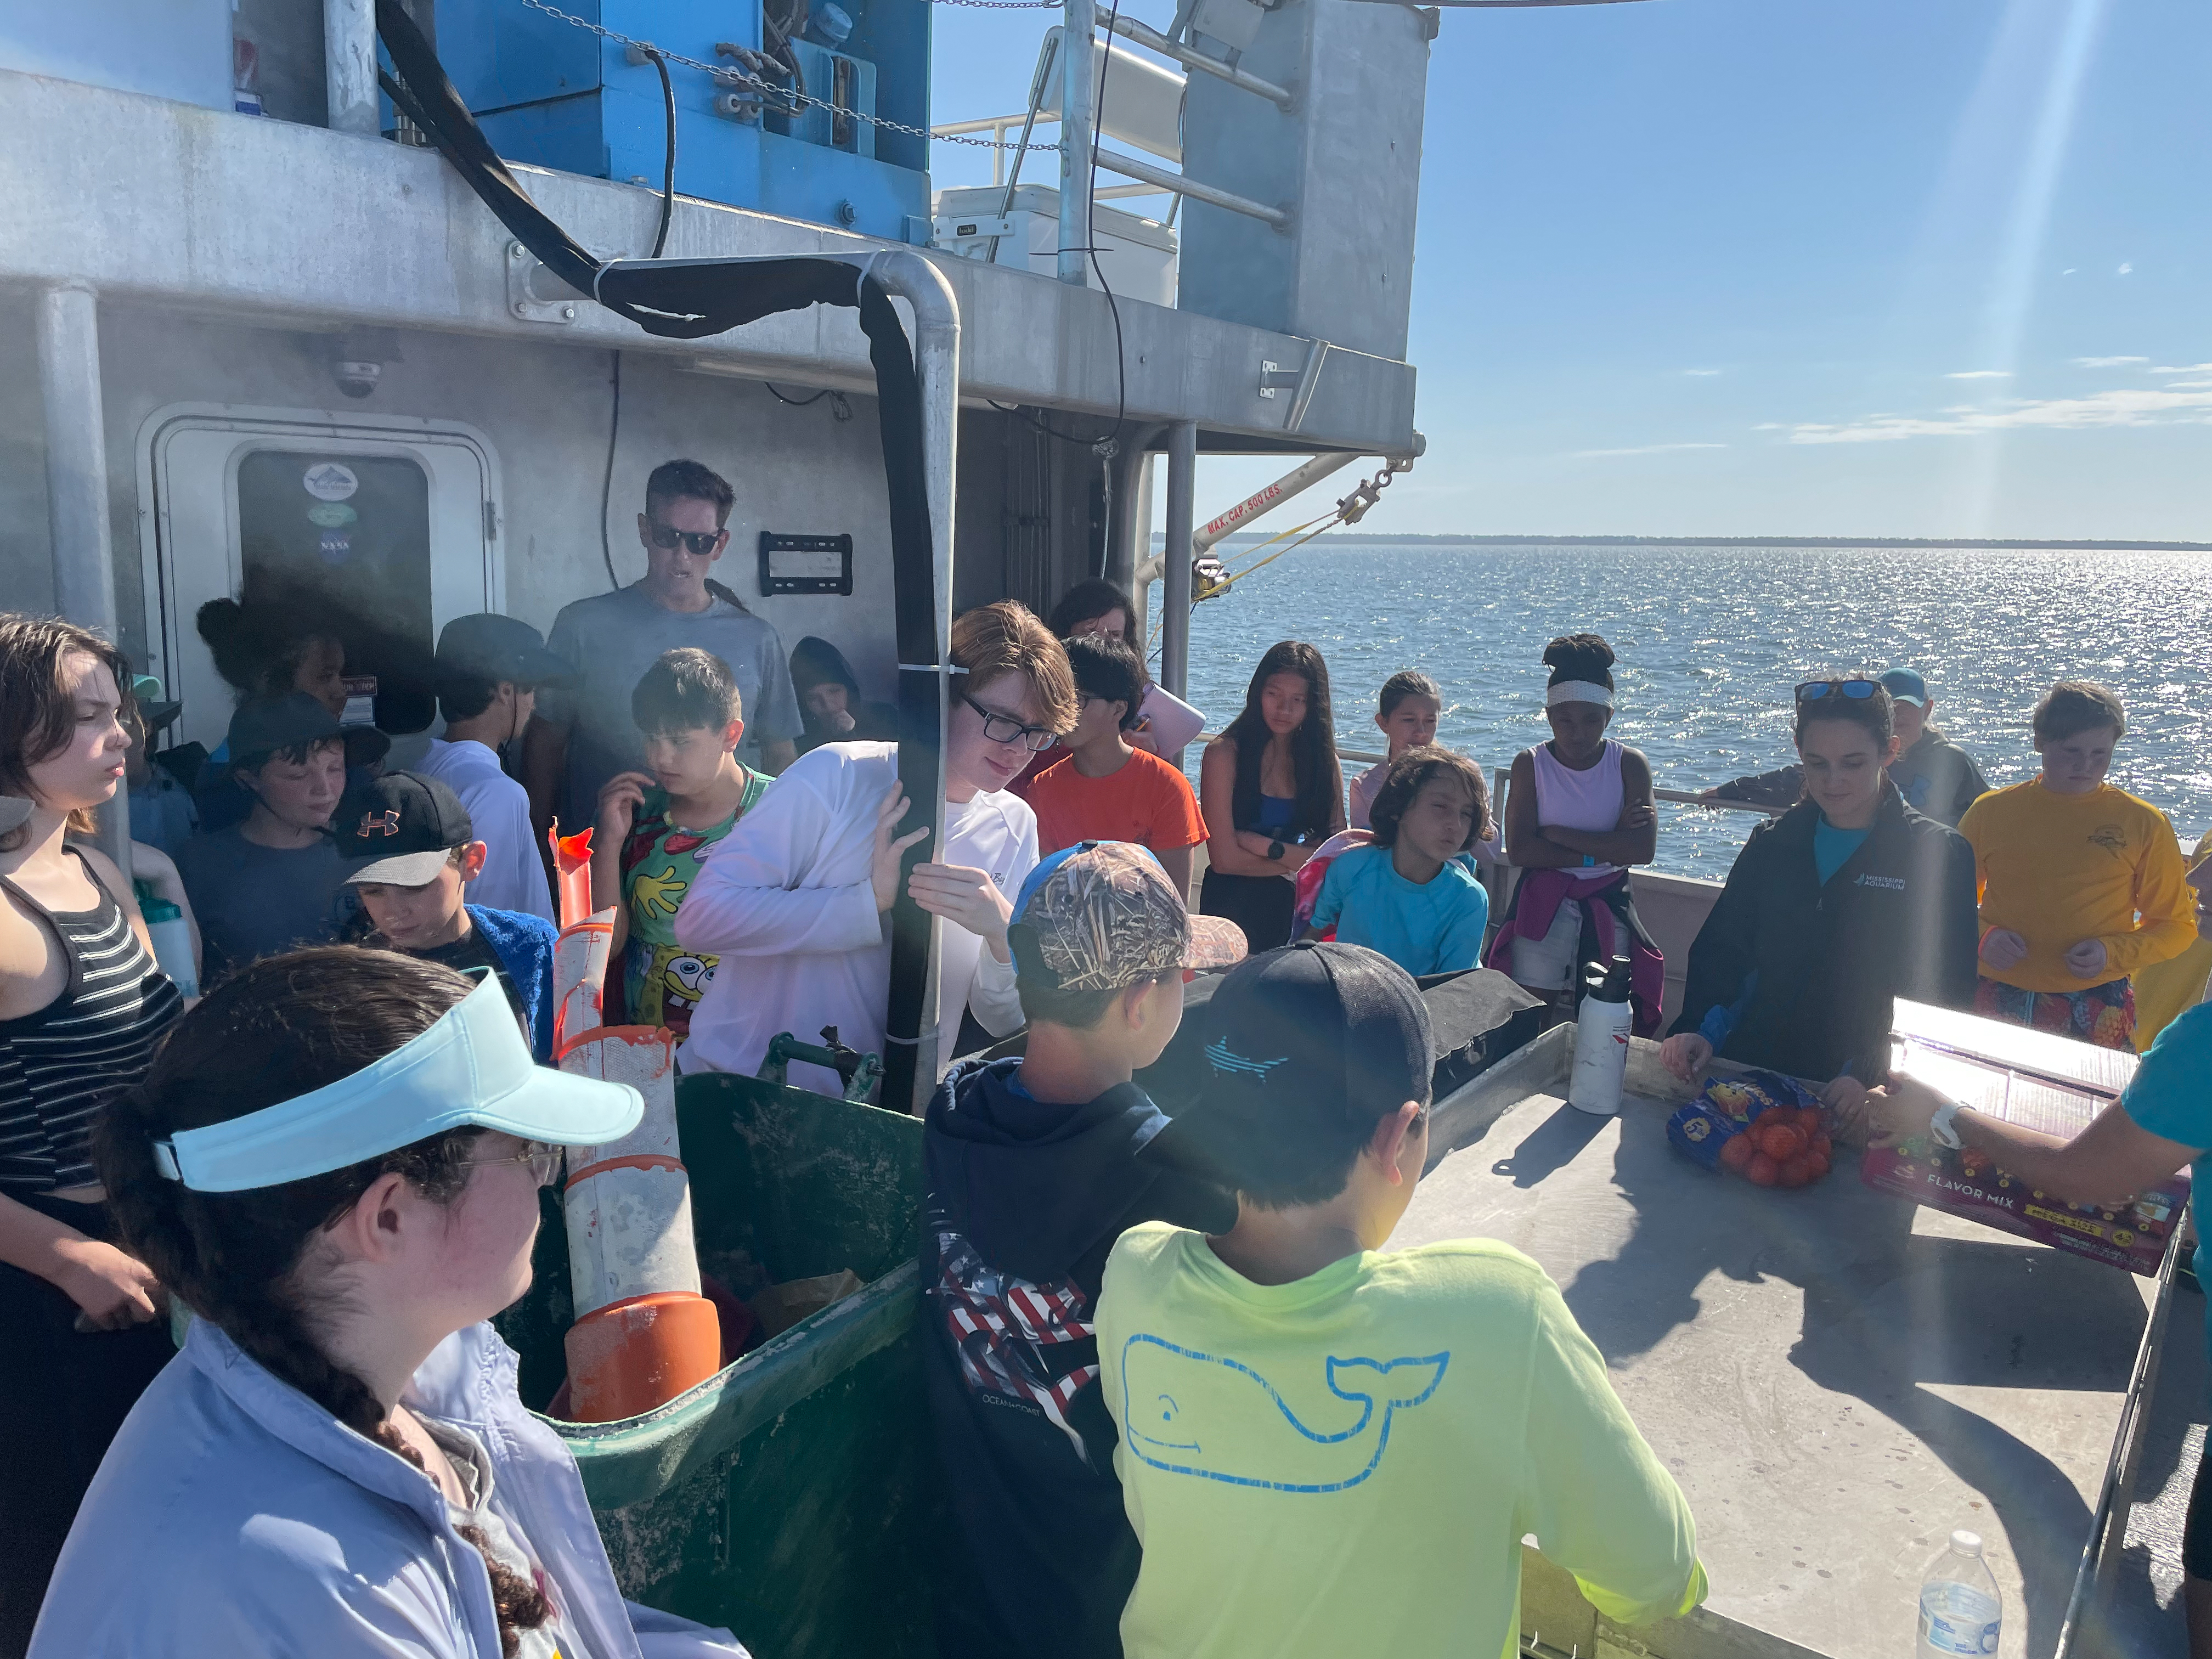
261,726
400,829
1306,1048
495,648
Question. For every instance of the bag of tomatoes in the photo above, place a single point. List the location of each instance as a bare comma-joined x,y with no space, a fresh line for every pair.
1762,1126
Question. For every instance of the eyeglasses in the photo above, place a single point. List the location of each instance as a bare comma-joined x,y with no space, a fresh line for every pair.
1004,728
1857,690
698,543
544,1161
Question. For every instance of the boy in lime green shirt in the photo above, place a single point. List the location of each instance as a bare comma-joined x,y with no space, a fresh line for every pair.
1327,1449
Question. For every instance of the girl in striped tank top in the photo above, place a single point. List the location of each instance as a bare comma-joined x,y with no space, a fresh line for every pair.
82,1007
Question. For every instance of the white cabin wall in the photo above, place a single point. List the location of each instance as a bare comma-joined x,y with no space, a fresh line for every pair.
545,410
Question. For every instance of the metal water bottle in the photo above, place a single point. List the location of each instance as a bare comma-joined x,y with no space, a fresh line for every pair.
1602,1030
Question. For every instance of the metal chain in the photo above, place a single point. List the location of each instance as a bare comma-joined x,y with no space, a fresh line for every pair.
723,74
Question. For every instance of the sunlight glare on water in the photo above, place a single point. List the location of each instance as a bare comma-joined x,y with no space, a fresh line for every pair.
1711,640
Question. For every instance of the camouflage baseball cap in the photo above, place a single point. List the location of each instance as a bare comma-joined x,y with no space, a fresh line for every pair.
1102,914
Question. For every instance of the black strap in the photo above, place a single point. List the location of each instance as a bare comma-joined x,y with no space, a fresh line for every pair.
689,300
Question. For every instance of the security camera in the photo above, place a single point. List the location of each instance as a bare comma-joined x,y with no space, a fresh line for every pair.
358,379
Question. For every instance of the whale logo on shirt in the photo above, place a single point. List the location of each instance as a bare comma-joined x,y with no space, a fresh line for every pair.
1194,1413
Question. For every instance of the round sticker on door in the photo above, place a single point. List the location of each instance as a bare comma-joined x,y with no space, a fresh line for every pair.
327,480
331,515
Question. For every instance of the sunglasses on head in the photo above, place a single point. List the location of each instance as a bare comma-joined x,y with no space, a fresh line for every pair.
1814,691
698,543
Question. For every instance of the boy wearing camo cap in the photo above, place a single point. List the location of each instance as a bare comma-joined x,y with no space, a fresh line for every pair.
1035,1166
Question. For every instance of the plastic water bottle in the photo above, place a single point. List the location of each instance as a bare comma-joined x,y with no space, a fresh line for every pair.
1960,1610
173,943
1602,1030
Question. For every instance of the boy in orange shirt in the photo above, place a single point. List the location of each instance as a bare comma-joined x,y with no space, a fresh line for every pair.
1104,789
2082,884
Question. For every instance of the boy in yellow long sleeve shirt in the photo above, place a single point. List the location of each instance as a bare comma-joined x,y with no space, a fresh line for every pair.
1330,1451
2082,884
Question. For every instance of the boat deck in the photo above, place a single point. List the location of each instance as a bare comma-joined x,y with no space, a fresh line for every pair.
1837,1378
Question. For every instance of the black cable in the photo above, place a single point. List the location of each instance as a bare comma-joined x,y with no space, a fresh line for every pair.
796,403
607,478
668,172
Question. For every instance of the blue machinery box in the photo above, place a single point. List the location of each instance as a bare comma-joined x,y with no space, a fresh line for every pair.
551,94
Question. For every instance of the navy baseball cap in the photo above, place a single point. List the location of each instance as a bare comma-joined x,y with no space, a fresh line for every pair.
495,648
1905,685
262,725
399,829
1305,1045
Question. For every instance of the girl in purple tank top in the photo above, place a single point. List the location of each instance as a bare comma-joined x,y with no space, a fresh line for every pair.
1578,812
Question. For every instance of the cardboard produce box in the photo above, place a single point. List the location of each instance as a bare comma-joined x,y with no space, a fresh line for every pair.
2038,1081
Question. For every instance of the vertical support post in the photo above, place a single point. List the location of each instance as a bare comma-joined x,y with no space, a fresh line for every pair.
349,64
937,366
1175,576
77,489
1078,87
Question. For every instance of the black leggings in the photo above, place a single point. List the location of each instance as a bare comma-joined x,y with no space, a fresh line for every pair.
2196,1534
64,1394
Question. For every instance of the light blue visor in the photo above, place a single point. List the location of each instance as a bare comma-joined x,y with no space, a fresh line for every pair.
472,1068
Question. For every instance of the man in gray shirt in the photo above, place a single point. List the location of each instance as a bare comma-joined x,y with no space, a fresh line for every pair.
583,734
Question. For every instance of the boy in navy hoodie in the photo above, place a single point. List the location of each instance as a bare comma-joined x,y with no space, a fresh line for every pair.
412,852
1035,1166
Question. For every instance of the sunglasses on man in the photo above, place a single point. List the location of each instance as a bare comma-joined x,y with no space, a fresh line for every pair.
698,543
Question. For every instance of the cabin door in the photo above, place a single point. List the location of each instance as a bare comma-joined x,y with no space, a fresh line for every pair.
382,530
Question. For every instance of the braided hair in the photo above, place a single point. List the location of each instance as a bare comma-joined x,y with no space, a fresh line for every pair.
277,1029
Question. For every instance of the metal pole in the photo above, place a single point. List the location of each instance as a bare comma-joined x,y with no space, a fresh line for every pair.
1078,86
349,64
77,489
1145,36
1175,577
936,362
1176,184
1299,477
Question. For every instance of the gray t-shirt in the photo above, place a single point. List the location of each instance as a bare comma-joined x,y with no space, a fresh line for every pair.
612,638
253,901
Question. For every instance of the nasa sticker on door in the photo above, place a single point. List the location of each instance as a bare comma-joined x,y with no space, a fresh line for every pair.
329,481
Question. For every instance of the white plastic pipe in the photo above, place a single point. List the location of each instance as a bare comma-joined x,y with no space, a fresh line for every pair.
77,489
349,65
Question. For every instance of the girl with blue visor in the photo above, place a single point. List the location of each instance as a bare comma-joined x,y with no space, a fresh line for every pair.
335,1163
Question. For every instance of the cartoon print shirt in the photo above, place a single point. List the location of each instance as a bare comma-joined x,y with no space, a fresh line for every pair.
1398,1421
2059,869
662,983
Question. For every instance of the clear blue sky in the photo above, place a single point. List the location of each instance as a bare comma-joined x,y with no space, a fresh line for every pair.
1788,267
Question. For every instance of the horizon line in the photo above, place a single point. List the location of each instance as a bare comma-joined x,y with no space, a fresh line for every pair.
2079,544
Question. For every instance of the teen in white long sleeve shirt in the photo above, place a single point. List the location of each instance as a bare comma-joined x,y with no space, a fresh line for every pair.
788,900
513,876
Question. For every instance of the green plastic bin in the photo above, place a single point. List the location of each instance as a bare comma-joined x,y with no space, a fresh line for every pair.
792,1496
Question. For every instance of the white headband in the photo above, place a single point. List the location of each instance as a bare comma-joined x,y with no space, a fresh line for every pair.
1578,692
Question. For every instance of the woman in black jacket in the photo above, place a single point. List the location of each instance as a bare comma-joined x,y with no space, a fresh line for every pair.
1848,900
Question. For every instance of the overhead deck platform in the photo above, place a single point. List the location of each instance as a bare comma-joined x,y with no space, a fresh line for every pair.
1837,1378
237,216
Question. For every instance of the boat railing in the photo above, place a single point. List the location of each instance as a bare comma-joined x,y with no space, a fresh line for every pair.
1499,777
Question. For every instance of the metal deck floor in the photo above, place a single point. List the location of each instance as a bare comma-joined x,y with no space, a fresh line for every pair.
1837,1378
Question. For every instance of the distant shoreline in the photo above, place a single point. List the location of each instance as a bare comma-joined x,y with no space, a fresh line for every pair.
1247,538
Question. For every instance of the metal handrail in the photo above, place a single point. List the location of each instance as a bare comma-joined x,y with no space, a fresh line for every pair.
1680,796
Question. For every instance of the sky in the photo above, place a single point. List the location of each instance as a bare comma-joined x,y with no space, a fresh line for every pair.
1785,267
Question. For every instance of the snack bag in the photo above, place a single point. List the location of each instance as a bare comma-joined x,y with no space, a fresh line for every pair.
1724,1128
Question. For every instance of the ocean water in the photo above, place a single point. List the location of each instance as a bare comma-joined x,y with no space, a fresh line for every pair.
1713,639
